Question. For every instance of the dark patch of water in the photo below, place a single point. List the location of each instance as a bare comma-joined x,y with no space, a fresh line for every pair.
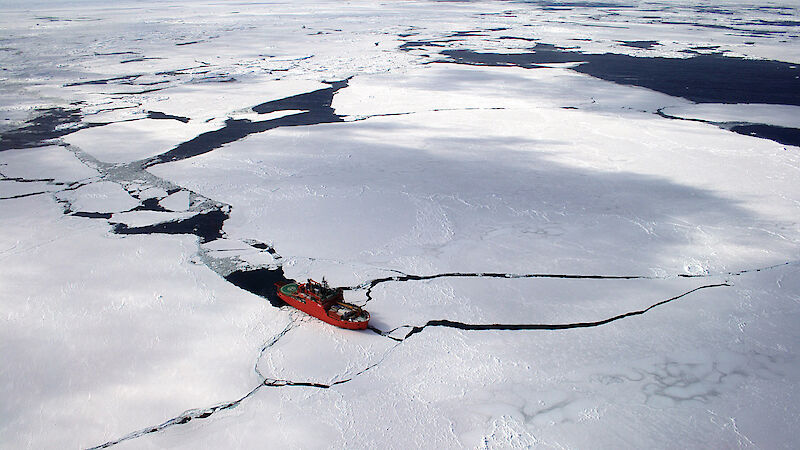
413,45
161,115
647,45
184,71
145,91
261,282
92,215
713,10
126,61
508,14
127,79
690,51
761,33
150,204
775,23
518,38
707,78
782,135
234,130
115,53
207,226
320,99
318,110
152,83
262,246
51,123
467,33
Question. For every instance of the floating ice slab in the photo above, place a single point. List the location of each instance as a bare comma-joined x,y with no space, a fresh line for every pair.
178,201
146,218
102,196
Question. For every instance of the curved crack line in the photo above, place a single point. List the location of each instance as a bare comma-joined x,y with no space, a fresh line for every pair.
29,194
204,413
533,326
368,285
269,344
407,277
32,180
70,186
185,417
48,181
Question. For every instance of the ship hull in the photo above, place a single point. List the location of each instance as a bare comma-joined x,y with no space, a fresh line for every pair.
315,309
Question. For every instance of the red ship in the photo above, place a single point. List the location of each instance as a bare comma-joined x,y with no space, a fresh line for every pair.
324,303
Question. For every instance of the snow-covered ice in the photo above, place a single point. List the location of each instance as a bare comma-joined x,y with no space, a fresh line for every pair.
551,259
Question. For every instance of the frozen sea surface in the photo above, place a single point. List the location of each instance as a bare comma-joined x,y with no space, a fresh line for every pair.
574,224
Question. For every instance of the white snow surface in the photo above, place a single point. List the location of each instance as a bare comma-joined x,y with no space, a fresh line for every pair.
178,201
137,341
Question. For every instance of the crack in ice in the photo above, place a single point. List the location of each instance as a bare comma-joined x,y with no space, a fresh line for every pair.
204,413
410,277
552,327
